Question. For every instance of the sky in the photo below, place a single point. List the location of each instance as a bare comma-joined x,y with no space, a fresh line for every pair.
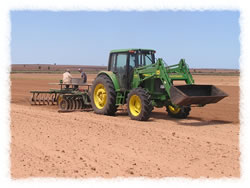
205,39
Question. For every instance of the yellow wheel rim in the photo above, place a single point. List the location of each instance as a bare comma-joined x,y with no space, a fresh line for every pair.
174,110
135,105
60,98
100,96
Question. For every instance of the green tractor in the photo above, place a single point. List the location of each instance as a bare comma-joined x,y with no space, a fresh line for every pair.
136,79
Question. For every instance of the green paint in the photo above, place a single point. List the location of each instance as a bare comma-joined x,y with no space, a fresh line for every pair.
112,76
149,76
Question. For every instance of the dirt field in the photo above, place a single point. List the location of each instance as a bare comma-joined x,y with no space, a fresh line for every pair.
45,143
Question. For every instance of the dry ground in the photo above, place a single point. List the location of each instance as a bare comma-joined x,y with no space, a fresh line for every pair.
45,143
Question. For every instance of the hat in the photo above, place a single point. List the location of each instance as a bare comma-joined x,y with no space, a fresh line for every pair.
80,69
67,70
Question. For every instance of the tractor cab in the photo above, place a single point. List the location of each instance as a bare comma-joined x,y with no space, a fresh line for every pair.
122,63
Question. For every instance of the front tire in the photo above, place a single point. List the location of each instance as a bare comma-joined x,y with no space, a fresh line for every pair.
178,112
139,104
103,96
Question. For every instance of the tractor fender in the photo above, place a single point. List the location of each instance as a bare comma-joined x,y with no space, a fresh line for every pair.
112,76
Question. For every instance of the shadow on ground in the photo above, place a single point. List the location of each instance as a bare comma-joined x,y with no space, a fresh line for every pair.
197,121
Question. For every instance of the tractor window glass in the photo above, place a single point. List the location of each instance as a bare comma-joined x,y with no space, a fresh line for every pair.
112,62
145,59
121,60
148,59
132,60
121,69
140,63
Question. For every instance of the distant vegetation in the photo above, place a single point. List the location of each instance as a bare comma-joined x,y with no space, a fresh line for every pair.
224,72
59,69
53,69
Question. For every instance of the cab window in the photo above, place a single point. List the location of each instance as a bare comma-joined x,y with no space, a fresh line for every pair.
112,62
148,59
121,60
145,59
121,69
132,60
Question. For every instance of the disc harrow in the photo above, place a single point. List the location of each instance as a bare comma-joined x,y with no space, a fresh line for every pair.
68,99
44,98
73,102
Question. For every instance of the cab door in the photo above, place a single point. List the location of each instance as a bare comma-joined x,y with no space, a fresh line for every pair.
121,70
118,65
131,67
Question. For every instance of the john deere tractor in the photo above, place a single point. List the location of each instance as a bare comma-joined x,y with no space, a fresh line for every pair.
136,79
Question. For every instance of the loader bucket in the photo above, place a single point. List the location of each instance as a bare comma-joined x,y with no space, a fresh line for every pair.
184,95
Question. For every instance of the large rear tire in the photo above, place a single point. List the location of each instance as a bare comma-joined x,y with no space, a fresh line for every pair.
180,112
139,104
103,96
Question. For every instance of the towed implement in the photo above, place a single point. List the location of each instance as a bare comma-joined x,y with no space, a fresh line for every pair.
68,99
137,80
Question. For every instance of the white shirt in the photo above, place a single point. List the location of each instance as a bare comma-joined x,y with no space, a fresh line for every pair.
67,78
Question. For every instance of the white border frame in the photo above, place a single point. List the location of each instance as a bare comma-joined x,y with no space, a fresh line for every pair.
128,5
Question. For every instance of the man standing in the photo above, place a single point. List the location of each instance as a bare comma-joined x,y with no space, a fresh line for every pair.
83,75
67,78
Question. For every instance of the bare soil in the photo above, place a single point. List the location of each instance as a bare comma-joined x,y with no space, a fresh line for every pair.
45,143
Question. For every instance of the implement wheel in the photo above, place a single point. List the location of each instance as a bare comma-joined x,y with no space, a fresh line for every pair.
103,96
63,104
59,99
179,112
139,104
32,101
77,103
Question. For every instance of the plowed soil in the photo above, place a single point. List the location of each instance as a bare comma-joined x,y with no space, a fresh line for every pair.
45,143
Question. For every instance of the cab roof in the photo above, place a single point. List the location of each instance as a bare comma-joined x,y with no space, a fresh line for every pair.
130,49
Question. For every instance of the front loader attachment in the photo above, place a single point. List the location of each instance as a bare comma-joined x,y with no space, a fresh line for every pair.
184,95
